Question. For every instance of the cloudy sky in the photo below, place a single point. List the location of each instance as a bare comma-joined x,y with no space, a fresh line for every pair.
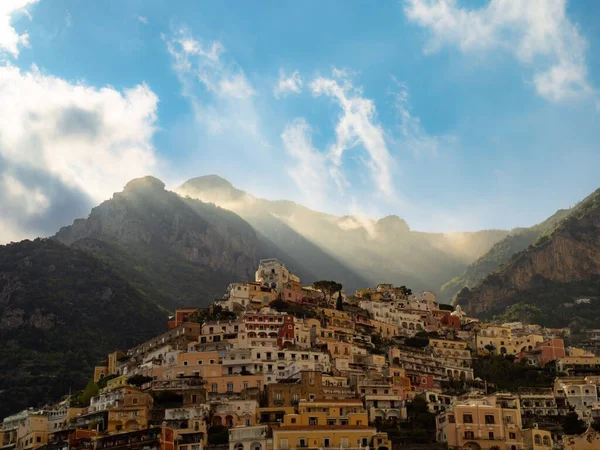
453,114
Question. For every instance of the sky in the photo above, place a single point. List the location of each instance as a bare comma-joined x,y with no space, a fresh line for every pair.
456,115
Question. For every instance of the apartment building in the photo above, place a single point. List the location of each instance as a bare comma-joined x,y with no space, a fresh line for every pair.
482,423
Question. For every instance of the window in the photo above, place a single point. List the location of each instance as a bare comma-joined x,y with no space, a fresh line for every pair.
229,387
326,442
467,418
38,439
296,397
283,443
214,387
491,435
293,420
451,418
489,419
278,395
469,435
546,440
313,421
330,422
245,385
302,443
537,439
344,443
512,436
364,442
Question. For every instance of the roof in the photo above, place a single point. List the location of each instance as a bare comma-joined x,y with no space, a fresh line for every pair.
284,428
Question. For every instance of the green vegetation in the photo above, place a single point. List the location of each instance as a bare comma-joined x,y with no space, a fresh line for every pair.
218,435
294,309
419,340
213,314
505,374
62,311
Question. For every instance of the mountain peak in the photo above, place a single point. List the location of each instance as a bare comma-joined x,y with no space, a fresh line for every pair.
210,181
212,188
145,183
392,224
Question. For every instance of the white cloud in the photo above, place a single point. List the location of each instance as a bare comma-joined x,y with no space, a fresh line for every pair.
142,19
221,95
413,135
90,141
356,127
10,39
537,33
287,84
309,168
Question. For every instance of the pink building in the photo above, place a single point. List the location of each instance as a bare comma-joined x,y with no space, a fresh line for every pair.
545,352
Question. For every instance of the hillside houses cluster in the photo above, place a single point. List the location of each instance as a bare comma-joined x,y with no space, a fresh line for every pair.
249,374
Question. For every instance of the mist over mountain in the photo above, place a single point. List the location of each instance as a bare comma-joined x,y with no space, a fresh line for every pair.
516,241
178,251
352,250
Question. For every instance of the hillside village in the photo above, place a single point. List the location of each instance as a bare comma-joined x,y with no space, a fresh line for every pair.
275,365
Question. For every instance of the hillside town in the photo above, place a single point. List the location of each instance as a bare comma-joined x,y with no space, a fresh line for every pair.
276,365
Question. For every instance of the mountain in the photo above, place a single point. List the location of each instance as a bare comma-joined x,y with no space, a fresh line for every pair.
176,251
500,253
355,251
551,276
61,312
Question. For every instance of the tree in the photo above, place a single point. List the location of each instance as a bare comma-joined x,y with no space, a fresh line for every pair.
404,291
417,341
218,435
573,424
327,288
339,304
91,390
139,380
490,348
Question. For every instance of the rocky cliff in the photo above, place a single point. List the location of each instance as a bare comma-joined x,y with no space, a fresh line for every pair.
562,265
178,250
500,253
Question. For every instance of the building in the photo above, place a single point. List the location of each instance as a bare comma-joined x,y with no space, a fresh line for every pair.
306,385
482,423
249,438
273,273
182,315
325,424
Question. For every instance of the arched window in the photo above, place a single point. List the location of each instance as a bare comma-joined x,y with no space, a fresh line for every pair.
537,439
239,446
546,441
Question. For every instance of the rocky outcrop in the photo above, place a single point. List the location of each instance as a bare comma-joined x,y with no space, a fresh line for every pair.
180,251
145,214
569,254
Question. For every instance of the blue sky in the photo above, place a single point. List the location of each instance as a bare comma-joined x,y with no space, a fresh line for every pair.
455,115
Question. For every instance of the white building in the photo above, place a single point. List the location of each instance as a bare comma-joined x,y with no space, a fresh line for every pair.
273,273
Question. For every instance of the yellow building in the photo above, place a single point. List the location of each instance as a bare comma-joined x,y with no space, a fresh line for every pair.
482,424
536,439
34,432
326,424
117,383
100,372
132,413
